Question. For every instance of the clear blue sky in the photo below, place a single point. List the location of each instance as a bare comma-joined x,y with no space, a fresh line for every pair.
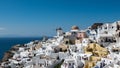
41,17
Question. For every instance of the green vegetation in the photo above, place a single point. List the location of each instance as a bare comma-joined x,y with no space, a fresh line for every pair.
59,64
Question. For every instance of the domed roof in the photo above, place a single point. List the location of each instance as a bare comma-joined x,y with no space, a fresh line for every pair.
59,28
75,27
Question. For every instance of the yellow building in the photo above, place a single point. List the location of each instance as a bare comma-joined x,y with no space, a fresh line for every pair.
97,53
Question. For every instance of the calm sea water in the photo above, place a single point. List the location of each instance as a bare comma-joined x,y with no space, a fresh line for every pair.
7,43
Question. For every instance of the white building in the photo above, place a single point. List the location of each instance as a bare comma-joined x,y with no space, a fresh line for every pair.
106,33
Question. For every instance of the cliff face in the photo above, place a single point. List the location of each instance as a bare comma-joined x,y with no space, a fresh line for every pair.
9,54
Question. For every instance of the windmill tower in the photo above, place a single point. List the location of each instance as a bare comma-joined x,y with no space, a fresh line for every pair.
59,31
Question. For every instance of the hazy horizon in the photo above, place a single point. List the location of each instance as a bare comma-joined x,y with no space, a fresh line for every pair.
34,18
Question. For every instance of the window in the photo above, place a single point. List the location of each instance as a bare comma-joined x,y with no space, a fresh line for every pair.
69,64
101,40
112,27
105,28
119,34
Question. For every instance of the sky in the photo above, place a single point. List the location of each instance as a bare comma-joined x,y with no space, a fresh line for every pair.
33,18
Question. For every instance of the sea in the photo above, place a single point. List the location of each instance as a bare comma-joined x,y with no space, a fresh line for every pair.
7,43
